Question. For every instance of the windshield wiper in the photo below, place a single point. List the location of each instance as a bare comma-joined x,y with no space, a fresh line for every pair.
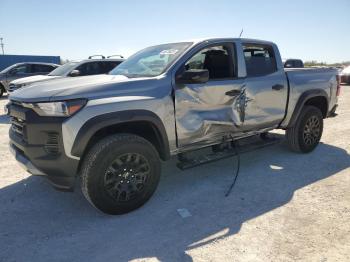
137,75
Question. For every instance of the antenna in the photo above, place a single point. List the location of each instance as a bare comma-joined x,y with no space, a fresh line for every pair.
2,45
241,33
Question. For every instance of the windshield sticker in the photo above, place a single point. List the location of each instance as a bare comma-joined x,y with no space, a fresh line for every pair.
169,52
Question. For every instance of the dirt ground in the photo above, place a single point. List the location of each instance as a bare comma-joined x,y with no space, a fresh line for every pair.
284,207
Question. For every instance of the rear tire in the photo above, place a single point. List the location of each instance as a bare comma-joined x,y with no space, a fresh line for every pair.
305,135
120,173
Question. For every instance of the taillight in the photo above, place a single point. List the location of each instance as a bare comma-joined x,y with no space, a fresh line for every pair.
338,85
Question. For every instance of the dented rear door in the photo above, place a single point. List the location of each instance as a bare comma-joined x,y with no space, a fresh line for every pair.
266,88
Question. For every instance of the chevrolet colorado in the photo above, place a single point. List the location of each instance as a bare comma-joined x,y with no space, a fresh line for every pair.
113,130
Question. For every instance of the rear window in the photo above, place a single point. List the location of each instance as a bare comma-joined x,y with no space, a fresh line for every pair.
90,68
37,68
259,59
109,65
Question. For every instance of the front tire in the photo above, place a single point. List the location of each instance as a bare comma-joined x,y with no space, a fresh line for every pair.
120,173
306,134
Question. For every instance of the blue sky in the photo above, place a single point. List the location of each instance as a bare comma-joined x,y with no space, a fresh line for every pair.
312,30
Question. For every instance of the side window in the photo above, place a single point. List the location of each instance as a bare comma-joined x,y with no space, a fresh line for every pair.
21,69
218,60
37,68
90,68
108,66
299,64
259,59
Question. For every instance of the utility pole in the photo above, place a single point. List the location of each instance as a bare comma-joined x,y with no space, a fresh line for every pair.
2,45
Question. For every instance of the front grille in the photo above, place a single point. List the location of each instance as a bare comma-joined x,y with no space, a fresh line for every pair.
18,126
51,145
17,120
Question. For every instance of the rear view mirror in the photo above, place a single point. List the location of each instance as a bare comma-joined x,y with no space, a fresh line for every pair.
75,73
193,76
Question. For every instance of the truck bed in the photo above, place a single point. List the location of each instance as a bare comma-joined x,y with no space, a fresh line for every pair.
302,79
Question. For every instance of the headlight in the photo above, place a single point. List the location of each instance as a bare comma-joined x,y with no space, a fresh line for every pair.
16,86
59,109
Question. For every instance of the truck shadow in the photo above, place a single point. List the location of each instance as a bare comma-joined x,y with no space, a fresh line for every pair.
40,224
4,119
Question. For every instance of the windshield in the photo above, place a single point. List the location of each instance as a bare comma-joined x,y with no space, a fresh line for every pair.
151,61
7,69
63,70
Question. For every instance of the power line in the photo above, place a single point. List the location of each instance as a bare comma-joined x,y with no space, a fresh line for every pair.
2,45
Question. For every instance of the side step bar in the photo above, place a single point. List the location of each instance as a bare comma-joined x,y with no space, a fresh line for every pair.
245,145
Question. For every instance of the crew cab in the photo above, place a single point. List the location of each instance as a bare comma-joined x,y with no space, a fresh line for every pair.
113,130
91,66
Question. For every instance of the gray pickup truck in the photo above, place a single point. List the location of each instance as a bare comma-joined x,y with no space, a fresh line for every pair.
166,100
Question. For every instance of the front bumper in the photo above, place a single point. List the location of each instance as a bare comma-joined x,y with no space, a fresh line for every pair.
25,162
61,183
37,144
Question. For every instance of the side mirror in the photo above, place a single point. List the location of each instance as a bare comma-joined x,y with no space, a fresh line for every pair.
75,73
288,65
193,76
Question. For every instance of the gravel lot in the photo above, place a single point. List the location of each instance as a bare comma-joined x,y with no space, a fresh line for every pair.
284,207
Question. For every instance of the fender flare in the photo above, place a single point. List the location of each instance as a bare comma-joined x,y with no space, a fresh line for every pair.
302,100
99,122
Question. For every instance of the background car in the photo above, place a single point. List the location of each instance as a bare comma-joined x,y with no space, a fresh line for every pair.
345,75
293,63
71,69
22,70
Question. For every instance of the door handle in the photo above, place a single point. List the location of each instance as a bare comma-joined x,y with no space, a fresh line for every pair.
233,93
277,87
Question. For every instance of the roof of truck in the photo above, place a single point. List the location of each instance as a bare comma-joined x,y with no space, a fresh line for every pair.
213,39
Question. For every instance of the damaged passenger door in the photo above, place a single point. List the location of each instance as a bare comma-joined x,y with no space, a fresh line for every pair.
207,93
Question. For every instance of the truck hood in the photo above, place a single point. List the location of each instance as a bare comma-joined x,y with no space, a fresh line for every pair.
31,79
90,87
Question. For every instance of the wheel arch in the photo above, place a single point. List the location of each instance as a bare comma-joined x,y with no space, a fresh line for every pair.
314,97
143,123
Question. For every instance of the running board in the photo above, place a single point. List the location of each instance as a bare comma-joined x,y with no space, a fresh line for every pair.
245,145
